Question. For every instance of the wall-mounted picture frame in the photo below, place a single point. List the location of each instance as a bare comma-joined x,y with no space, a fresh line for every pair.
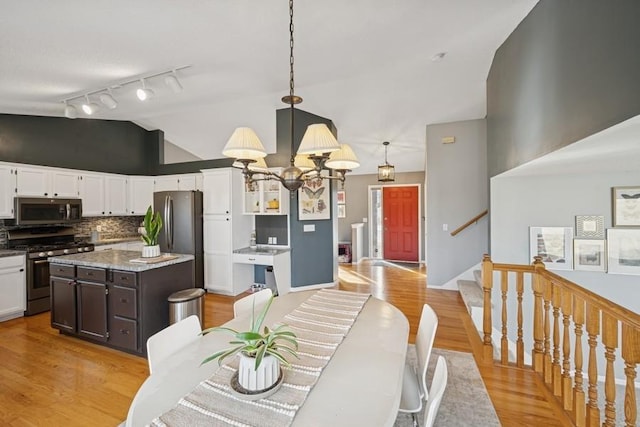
590,226
554,245
341,197
623,251
626,206
342,211
314,200
589,255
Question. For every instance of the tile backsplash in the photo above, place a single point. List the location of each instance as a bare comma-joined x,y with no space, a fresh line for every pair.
113,227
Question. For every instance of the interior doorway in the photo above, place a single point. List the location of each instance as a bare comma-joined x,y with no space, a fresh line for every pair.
395,229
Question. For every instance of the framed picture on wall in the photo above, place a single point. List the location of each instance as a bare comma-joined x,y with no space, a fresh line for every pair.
590,226
623,252
626,206
554,245
314,200
589,255
341,197
342,211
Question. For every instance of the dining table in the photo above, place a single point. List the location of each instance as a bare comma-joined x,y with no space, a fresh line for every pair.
360,385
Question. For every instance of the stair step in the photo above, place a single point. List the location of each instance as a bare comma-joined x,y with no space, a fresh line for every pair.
471,294
477,274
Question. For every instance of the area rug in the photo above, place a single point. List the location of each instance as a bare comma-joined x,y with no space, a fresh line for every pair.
465,401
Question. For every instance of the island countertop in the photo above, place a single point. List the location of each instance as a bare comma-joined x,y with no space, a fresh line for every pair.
116,260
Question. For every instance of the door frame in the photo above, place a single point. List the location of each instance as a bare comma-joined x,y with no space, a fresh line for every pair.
370,215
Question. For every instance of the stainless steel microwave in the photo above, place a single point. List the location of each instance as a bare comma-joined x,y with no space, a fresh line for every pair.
45,211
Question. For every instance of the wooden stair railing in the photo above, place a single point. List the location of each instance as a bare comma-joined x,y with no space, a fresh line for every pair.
468,223
561,315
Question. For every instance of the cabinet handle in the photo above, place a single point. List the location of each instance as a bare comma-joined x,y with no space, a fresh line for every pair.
71,283
124,300
21,270
124,331
46,194
252,259
55,194
89,273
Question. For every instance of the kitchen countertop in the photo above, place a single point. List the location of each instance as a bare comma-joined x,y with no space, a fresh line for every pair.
10,252
115,260
261,250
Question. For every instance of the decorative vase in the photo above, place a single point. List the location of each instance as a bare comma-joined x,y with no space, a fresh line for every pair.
264,377
151,251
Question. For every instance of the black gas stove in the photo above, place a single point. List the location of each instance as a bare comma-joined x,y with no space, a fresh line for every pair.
40,243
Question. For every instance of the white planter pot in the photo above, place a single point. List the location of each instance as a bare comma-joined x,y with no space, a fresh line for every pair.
150,251
261,379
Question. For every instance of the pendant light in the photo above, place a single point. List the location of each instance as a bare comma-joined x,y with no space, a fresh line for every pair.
386,172
314,152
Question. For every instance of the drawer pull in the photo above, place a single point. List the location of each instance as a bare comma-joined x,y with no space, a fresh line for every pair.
124,300
124,331
252,259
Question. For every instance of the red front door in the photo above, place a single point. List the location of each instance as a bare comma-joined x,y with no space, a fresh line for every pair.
400,213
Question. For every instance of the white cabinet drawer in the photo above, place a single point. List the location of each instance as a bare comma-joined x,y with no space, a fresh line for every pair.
253,259
12,261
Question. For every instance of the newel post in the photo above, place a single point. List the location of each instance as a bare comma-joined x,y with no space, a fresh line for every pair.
487,326
538,326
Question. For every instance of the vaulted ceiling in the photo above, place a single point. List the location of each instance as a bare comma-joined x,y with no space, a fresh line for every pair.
367,65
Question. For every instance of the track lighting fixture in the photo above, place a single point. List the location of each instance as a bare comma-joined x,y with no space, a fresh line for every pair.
108,99
143,93
70,112
172,81
88,107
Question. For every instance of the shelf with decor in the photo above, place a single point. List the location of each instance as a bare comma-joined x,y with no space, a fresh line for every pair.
266,197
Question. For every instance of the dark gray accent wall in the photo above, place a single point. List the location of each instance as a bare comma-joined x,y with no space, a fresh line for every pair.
93,145
569,70
271,226
312,253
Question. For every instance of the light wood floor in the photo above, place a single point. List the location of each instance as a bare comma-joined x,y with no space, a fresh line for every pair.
50,379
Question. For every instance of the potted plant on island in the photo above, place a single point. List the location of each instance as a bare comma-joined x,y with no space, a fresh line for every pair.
152,225
260,354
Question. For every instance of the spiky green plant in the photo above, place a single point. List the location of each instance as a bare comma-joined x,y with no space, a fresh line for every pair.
152,226
275,342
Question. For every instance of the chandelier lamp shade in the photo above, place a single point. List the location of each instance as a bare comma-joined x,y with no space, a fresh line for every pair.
107,96
386,172
319,149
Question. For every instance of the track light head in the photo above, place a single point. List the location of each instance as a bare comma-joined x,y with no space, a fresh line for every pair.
144,93
70,112
89,108
108,100
172,81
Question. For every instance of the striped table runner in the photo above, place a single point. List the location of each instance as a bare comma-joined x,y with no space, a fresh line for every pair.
320,323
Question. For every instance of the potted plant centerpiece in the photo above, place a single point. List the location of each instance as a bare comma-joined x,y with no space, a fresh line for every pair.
260,353
152,226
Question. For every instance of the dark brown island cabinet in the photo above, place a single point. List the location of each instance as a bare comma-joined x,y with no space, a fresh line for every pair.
114,307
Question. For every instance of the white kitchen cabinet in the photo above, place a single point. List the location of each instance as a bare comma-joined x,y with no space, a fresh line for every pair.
140,194
266,197
92,194
165,183
13,288
217,190
7,190
115,190
186,182
46,182
225,228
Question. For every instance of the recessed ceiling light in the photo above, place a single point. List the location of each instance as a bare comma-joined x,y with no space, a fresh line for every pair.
438,56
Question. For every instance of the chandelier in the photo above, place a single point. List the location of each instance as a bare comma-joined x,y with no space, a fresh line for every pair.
386,172
319,150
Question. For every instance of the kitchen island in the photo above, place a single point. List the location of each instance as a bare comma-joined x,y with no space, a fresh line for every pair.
109,298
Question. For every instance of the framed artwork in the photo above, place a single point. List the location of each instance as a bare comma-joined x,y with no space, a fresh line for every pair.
341,198
623,252
554,245
590,226
314,200
589,255
626,206
342,211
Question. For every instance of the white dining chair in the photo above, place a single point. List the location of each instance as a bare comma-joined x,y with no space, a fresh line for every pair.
438,385
171,339
245,305
414,384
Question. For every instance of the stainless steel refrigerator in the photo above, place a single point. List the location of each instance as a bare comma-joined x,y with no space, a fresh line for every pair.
181,232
